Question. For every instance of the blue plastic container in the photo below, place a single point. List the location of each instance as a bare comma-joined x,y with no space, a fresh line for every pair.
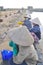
6,54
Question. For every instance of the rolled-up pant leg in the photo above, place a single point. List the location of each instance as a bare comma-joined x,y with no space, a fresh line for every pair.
31,63
38,50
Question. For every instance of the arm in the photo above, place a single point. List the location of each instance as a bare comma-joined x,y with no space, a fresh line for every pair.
11,43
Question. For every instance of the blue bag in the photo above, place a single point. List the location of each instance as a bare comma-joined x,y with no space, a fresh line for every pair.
6,54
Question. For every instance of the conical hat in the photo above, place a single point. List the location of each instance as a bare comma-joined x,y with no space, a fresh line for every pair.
36,21
28,16
21,36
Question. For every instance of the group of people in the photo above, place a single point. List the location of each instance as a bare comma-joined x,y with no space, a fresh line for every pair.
29,54
34,28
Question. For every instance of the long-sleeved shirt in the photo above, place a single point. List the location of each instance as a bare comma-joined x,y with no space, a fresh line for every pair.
28,24
36,30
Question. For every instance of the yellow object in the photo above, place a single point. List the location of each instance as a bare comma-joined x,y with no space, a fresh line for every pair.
20,22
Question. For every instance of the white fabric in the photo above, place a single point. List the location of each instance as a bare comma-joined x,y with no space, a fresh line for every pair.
26,53
27,15
21,36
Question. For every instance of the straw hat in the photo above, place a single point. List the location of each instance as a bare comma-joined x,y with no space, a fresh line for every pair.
21,36
36,21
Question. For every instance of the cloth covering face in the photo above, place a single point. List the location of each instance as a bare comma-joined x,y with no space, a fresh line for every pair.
36,39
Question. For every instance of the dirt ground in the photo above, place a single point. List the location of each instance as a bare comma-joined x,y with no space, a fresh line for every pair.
5,44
